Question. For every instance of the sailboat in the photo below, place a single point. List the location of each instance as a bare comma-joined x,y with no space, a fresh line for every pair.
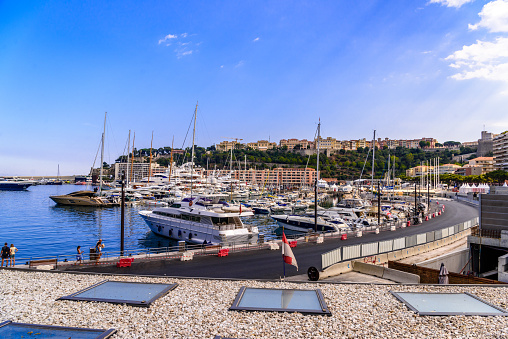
199,219
88,198
295,224
56,181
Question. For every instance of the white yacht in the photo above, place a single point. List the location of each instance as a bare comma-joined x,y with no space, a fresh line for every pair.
304,223
201,221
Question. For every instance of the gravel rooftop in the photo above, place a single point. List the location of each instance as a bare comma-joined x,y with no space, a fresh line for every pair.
199,309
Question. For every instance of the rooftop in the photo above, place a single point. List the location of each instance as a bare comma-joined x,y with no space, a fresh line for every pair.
199,308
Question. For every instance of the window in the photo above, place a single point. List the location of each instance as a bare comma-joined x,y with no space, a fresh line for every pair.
9,329
277,300
120,292
447,304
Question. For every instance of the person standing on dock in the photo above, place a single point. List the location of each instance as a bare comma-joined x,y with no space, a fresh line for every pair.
5,255
12,253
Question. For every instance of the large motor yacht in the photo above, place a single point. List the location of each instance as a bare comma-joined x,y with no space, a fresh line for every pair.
201,221
15,184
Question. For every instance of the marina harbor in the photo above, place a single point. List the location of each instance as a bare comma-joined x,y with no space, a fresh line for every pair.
254,170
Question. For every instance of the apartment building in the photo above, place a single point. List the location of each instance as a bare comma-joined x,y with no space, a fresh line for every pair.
277,176
500,150
486,164
262,145
225,145
292,143
328,144
424,170
137,170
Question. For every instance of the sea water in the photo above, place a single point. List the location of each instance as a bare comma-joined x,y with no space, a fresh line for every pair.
39,227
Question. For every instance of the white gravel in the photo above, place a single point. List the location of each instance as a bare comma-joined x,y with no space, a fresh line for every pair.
199,309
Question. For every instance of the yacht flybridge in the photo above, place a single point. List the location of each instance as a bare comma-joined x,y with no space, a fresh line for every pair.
202,221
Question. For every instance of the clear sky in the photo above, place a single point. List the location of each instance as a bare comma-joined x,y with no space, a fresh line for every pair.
259,69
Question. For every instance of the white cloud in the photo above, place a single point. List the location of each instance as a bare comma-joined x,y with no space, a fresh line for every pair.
167,39
257,39
183,48
494,17
450,3
239,64
180,53
482,60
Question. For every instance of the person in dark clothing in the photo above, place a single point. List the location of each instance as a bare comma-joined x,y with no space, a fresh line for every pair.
5,255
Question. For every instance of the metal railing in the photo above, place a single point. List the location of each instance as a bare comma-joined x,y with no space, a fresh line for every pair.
369,249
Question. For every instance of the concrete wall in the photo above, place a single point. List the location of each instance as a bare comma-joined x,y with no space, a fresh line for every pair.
502,265
453,261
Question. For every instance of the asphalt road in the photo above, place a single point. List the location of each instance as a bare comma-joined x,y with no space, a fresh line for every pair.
266,264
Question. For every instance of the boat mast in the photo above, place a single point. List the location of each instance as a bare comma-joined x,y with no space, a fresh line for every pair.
192,155
171,160
150,167
132,159
317,176
128,157
373,152
231,174
102,154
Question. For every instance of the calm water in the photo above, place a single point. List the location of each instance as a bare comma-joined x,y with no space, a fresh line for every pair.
38,227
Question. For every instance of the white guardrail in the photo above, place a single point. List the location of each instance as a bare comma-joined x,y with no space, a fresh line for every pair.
369,249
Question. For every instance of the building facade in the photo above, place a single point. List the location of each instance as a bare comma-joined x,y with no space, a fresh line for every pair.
292,143
137,170
225,145
262,145
289,177
485,144
485,164
500,150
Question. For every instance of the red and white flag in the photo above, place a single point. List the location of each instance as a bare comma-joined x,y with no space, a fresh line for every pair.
287,253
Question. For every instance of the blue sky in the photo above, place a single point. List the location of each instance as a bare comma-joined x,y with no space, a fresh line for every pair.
259,69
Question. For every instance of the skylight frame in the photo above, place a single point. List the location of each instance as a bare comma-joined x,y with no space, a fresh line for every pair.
145,303
399,296
319,295
101,333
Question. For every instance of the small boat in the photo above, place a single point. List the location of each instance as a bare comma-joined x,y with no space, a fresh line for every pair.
84,198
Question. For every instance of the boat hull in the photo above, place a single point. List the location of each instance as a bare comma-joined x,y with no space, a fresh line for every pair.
14,186
74,201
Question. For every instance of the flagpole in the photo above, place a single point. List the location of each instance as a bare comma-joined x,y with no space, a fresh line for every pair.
283,266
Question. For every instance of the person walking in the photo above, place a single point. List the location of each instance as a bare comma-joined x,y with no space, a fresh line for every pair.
98,249
6,251
12,253
79,256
